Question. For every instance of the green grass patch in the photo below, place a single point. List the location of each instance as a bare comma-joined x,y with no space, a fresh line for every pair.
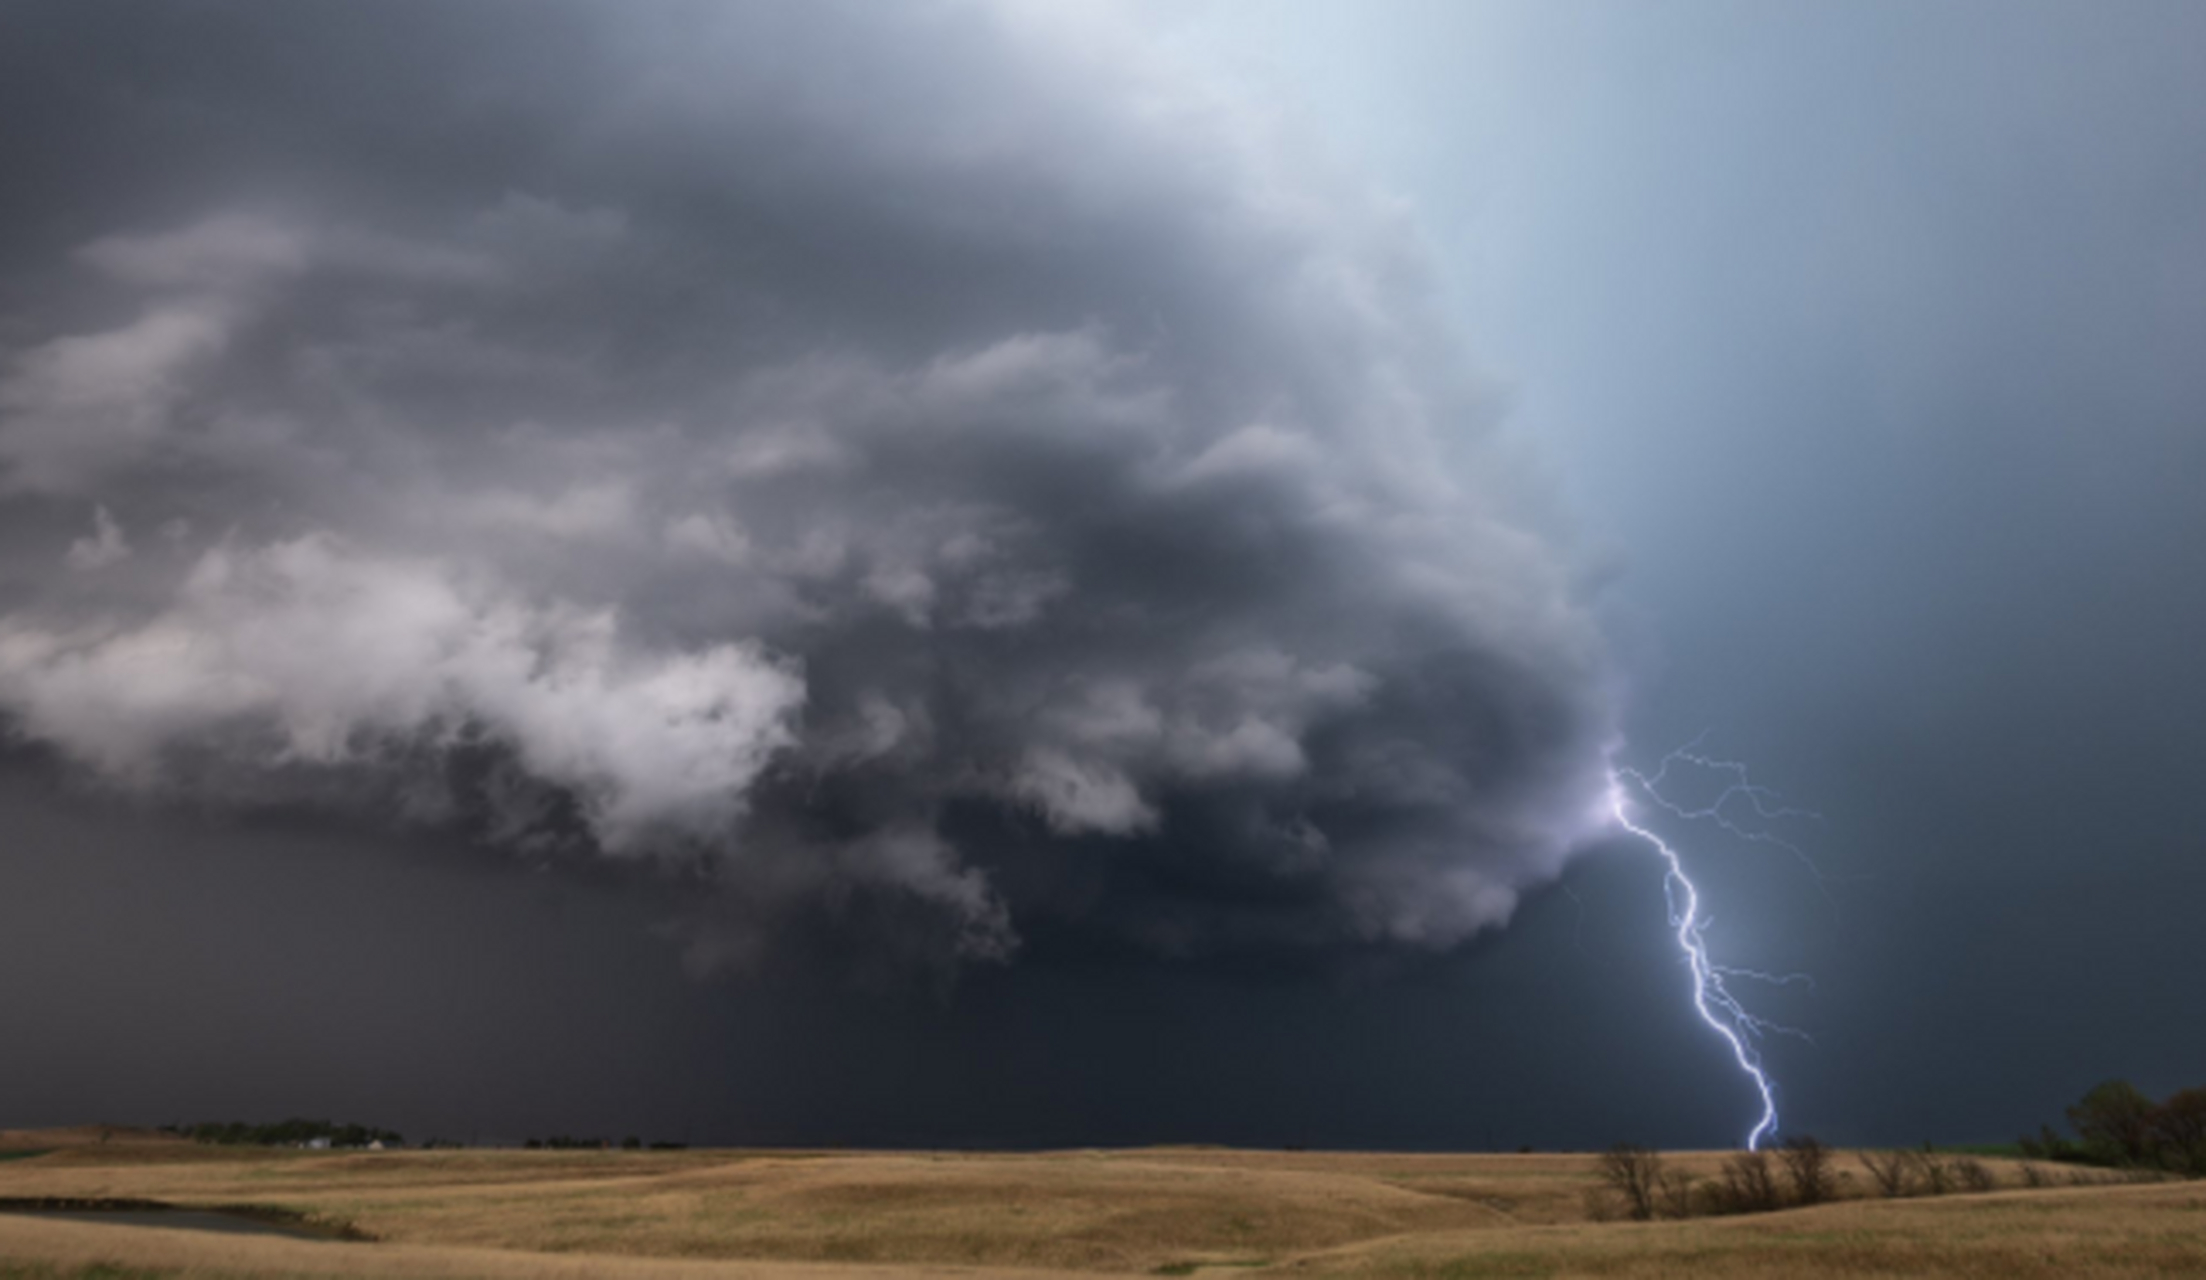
30,1154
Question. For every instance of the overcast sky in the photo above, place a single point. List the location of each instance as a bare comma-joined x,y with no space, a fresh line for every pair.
1036,573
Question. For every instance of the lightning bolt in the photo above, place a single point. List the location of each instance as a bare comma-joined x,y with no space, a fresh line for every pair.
1766,803
1712,998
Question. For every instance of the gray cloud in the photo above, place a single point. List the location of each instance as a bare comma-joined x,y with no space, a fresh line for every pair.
935,463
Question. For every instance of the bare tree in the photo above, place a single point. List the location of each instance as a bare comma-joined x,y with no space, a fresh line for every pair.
1893,1172
1972,1175
1808,1170
1930,1171
1632,1172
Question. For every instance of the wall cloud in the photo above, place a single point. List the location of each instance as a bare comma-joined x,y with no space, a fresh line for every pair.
940,469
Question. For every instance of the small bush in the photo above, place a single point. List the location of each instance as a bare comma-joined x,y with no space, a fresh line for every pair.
1748,1185
1930,1172
1892,1171
1970,1174
2048,1145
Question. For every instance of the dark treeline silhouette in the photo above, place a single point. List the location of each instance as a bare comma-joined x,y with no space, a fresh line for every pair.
294,1132
2117,1125
297,1132
561,1142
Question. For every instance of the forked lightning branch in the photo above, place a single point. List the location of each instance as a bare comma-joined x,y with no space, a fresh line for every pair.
1713,1001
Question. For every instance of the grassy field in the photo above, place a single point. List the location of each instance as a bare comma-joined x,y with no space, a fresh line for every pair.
786,1215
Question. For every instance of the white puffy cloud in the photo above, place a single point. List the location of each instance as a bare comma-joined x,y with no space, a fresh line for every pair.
310,652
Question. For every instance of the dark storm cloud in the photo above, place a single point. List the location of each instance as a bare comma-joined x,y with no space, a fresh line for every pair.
927,464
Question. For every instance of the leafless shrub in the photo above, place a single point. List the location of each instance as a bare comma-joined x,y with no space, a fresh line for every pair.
1674,1194
1930,1172
1808,1170
1632,1173
2032,1176
1970,1173
1749,1185
1892,1171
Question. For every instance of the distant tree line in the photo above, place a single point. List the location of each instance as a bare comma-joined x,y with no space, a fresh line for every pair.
561,1142
297,1132
286,1133
2118,1126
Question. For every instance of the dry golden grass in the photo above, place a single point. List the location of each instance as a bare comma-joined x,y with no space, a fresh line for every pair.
2114,1231
87,1135
1226,1213
32,1249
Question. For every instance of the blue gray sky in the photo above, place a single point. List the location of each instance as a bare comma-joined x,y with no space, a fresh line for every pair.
1030,574
1862,338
